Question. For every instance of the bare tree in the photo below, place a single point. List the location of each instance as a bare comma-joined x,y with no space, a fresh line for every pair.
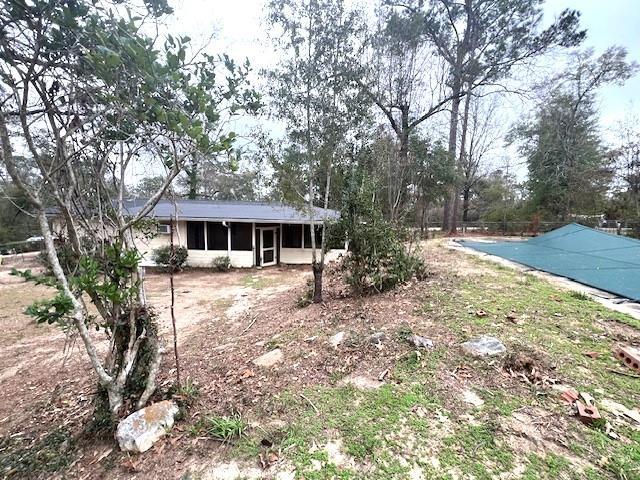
481,41
480,134
405,78
627,161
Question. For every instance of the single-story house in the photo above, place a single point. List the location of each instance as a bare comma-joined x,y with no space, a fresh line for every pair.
249,233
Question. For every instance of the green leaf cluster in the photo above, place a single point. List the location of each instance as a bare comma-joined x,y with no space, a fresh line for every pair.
378,260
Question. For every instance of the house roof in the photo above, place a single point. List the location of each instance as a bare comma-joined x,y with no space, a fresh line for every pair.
230,210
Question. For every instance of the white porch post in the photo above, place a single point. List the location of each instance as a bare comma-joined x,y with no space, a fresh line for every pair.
205,236
253,243
229,240
280,243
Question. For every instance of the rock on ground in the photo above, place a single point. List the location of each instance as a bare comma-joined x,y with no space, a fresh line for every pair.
377,337
140,430
420,342
471,397
269,359
337,339
484,346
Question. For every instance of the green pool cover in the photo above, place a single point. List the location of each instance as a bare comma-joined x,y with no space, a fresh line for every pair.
601,260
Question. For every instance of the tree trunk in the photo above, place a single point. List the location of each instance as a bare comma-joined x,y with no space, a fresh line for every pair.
318,269
449,201
466,194
453,226
403,163
192,175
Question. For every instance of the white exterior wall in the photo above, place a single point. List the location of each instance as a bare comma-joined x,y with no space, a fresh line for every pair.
302,256
204,258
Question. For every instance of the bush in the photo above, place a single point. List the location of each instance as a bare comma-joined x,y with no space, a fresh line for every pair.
378,259
162,256
381,266
306,298
221,264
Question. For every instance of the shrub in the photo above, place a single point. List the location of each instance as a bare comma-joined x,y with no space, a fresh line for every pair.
306,298
221,264
162,256
378,258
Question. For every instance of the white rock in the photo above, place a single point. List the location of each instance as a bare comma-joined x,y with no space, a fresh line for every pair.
269,359
361,382
140,430
472,397
420,342
484,346
337,339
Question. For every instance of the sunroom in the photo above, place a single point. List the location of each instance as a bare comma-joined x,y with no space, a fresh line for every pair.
248,233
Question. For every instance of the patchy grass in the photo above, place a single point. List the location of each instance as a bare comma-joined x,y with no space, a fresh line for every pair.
364,424
225,428
22,456
258,281
417,422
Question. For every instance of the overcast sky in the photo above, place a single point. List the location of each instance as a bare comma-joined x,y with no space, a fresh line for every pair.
239,30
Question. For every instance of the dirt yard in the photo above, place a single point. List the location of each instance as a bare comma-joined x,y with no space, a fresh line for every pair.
351,397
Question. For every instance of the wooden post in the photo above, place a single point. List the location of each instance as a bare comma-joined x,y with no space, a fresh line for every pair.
173,317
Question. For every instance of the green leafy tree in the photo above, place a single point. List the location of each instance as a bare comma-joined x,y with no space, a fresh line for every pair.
88,94
569,172
498,199
318,102
147,186
434,175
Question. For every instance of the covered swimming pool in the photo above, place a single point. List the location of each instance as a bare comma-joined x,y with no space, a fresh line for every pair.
601,260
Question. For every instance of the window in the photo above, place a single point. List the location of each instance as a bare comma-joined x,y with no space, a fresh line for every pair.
195,235
241,236
307,236
291,236
164,228
217,236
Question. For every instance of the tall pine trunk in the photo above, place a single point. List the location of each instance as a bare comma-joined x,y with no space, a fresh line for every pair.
449,200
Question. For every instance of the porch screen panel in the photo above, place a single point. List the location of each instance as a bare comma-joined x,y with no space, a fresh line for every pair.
291,236
241,236
307,236
268,238
195,235
217,236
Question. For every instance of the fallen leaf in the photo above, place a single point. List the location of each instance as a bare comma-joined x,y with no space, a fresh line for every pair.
103,456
